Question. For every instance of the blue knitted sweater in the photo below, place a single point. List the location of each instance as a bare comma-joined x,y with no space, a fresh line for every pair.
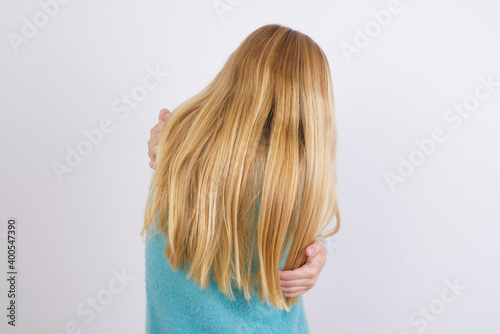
176,304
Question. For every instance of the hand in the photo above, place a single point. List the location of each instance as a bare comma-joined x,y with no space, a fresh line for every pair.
298,281
155,137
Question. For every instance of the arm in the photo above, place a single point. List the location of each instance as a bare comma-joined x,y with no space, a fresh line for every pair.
293,282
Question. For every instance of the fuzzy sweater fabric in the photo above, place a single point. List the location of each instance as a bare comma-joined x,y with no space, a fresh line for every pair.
176,305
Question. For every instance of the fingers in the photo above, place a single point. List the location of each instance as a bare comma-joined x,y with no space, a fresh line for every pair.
156,130
154,138
298,281
311,268
295,294
164,113
295,291
152,145
297,287
314,249
304,272
303,276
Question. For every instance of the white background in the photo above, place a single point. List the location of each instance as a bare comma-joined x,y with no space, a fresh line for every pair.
395,250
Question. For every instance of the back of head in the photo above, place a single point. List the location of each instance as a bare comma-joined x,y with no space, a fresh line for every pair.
246,168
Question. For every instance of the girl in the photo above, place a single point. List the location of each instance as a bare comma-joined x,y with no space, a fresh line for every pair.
245,180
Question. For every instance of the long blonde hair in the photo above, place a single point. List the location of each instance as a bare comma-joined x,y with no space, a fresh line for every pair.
246,168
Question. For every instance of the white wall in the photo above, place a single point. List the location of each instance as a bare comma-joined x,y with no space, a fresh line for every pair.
399,248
